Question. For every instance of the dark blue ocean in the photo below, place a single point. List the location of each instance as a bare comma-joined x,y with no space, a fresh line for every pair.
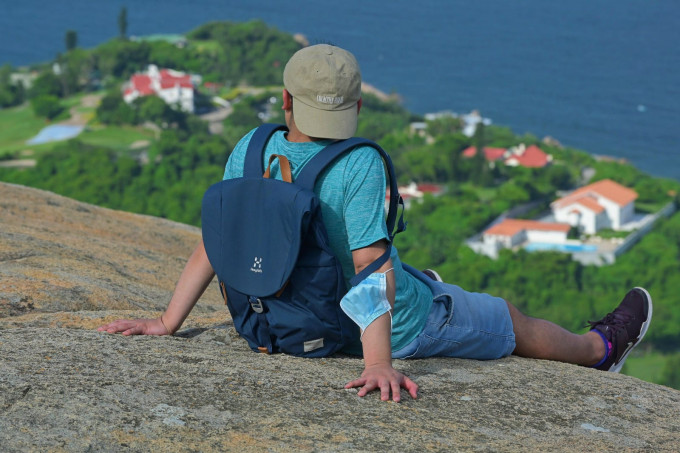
598,75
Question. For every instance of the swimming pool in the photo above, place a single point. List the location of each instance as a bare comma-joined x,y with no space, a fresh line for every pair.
54,133
566,248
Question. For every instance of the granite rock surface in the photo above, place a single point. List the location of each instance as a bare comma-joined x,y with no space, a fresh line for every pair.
67,267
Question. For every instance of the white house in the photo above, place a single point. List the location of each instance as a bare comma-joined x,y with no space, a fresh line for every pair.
531,156
604,204
469,120
512,232
521,155
174,87
414,191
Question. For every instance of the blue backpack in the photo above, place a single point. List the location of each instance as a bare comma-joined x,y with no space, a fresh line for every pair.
267,243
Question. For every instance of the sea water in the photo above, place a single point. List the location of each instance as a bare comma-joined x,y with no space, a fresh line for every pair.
600,76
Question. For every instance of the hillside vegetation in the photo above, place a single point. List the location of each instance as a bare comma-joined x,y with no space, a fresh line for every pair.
167,177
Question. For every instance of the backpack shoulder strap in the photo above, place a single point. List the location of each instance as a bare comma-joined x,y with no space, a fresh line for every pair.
318,163
253,166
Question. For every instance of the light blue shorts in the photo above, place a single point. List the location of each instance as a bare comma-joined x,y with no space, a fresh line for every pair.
463,325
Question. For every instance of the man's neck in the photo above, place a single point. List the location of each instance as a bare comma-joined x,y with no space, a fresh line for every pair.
294,135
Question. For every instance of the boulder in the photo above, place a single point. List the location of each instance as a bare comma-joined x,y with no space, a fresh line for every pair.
67,267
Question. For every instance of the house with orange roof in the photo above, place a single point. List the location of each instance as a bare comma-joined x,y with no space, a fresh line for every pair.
516,156
512,232
603,204
530,157
490,154
174,87
415,191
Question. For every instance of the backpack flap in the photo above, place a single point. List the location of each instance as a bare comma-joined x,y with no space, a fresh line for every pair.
252,231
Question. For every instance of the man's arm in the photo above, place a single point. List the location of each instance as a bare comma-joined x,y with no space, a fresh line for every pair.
195,278
376,340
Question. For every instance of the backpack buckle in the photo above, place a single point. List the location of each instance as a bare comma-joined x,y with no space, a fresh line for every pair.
256,304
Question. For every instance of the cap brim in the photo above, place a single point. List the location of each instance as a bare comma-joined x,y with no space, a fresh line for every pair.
317,123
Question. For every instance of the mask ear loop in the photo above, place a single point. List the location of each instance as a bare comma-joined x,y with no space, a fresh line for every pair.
390,310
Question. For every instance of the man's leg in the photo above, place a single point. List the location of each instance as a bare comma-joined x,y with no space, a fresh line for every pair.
541,339
606,346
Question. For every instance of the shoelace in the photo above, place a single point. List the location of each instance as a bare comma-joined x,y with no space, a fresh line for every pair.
614,319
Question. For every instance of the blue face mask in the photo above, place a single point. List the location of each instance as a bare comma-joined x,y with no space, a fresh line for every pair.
367,301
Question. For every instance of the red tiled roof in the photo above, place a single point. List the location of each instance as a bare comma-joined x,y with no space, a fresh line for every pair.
430,188
606,188
510,227
587,202
533,157
404,191
142,83
490,154
168,77
171,83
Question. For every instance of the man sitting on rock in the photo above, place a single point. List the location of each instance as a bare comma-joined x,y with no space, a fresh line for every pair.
424,317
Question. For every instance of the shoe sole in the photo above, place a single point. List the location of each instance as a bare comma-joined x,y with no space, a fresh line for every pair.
645,325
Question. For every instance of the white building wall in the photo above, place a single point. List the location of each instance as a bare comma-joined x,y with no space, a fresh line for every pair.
552,237
179,96
602,221
131,96
502,241
505,241
562,215
586,220
613,212
187,99
627,213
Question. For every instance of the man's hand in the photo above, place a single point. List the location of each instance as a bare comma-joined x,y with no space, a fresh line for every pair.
195,278
385,378
136,327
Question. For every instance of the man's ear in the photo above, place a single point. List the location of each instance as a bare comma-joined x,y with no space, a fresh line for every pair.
287,100
359,106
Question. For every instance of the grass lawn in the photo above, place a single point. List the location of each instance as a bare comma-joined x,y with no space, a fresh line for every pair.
650,208
609,233
647,367
18,124
116,137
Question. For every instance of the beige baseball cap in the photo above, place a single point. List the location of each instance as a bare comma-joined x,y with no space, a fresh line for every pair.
325,82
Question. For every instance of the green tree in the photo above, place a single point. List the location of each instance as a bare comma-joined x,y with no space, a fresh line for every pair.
47,83
481,172
71,39
650,191
249,52
122,23
10,93
121,59
67,77
114,110
154,109
47,106
444,125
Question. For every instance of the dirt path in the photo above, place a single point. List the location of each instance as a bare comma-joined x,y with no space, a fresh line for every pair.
78,118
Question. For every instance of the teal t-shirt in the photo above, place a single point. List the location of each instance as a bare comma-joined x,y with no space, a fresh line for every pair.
352,195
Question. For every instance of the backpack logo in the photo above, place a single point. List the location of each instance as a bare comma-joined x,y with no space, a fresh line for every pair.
257,265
